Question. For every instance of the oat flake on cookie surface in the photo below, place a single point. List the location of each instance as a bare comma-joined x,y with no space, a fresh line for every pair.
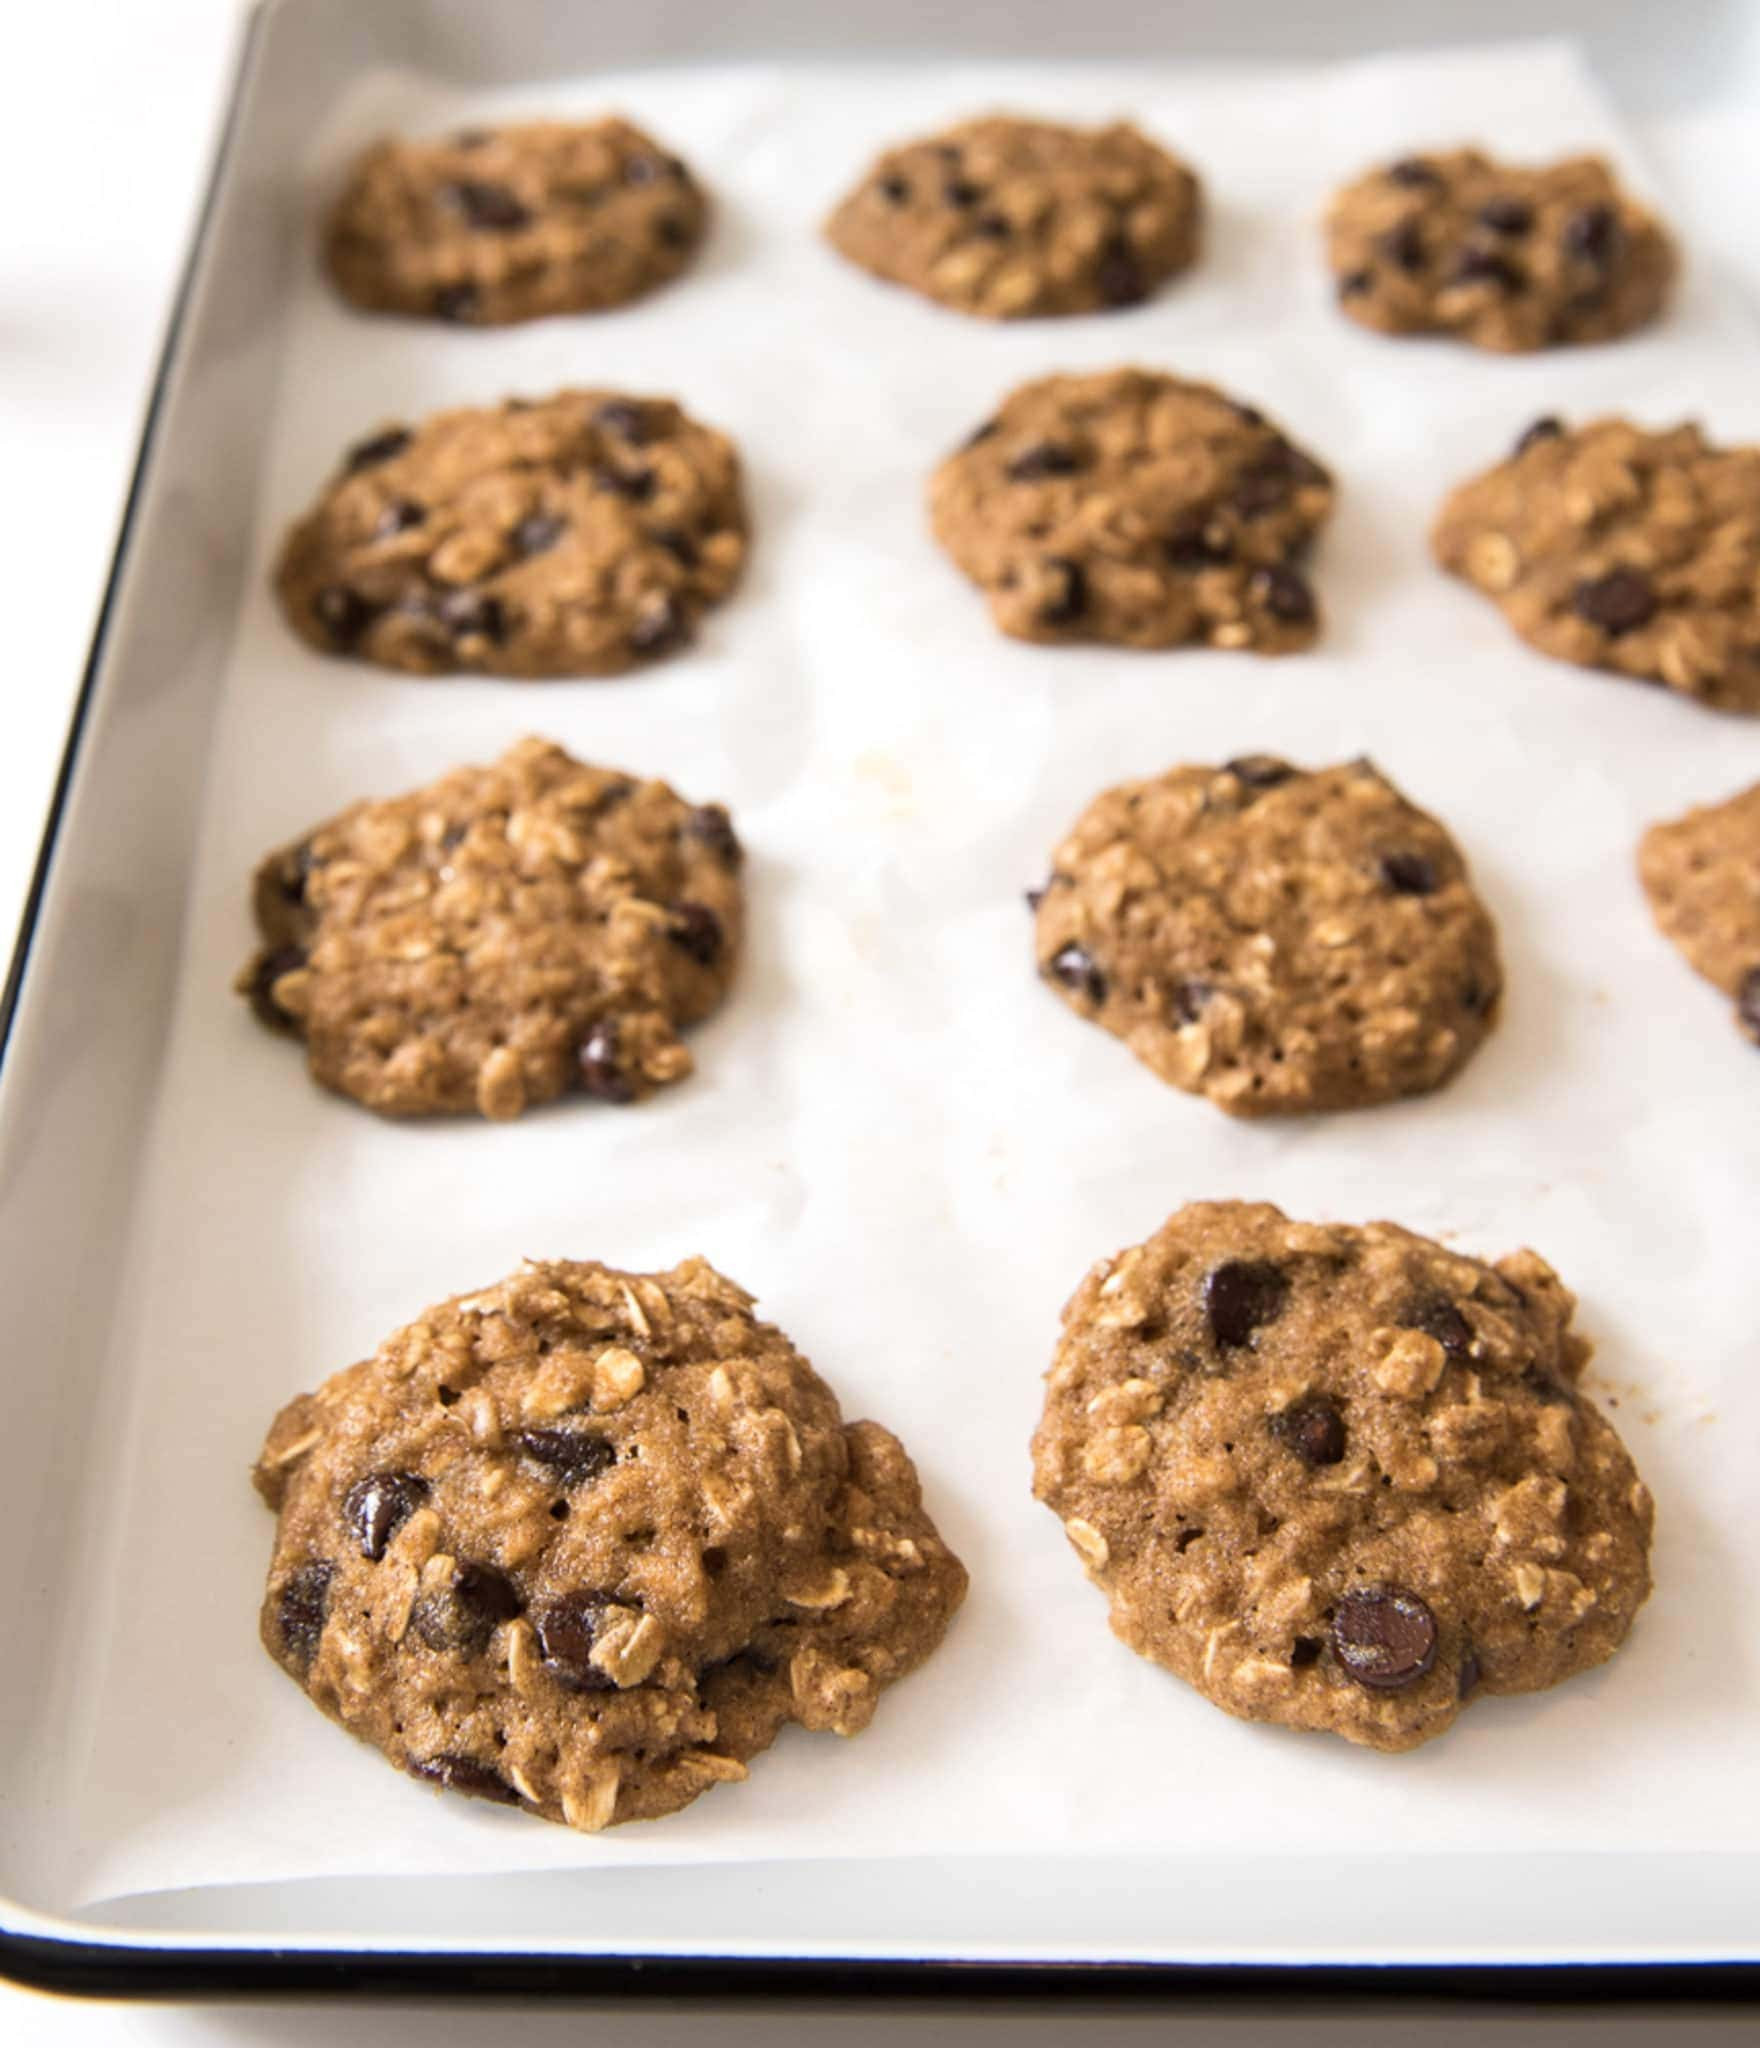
504,936
1340,1478
585,1541
1274,938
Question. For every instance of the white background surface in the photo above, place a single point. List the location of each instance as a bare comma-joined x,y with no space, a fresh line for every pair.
103,158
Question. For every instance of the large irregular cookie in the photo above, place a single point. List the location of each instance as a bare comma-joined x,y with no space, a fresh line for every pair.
574,536
1619,548
1340,1478
1702,876
1010,218
498,224
1509,257
1272,938
586,1540
500,938
1137,508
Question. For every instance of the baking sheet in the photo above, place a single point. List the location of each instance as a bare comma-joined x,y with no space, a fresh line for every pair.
896,1138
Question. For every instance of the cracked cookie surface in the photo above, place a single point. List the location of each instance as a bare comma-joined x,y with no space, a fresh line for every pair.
586,1540
1274,938
1340,1478
502,937
492,225
1012,219
1619,548
1135,508
1510,257
1701,873
570,536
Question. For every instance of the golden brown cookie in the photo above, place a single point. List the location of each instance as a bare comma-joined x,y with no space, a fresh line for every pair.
1136,508
1340,1478
1618,548
1010,218
584,1541
502,937
500,224
1702,876
1274,938
571,536
1507,256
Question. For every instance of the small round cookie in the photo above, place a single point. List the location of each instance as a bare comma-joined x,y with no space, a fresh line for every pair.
1340,1478
1135,508
493,225
1012,219
1274,938
1702,876
585,1541
1617,548
1506,256
572,536
505,936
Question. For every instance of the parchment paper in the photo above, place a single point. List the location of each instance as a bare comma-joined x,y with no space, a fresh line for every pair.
902,1143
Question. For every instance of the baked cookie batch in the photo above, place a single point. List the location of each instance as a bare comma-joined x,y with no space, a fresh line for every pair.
584,1541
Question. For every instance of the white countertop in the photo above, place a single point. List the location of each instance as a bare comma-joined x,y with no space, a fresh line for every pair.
102,159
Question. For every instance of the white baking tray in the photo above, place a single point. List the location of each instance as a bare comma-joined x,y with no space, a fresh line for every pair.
102,1525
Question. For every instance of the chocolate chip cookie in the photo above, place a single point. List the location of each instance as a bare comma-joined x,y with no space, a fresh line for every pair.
1010,218
1340,1478
505,936
1275,938
500,224
1618,548
585,1541
1702,876
1509,257
574,536
1135,508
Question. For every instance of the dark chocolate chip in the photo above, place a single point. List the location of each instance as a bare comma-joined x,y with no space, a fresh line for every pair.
487,206
377,448
644,170
567,1629
1505,216
1592,233
675,233
710,826
343,614
1120,278
1190,547
1545,1388
1241,1294
893,189
961,192
1248,415
659,624
376,1507
1355,283
1618,602
271,966
1258,771
537,532
1408,874
1384,1636
982,432
300,1612
1313,1428
1412,172
994,227
635,484
1069,600
1185,1004
625,418
696,930
1403,244
296,870
1467,1678
1547,428
1077,969
461,1617
576,1456
1305,1650
1035,896
473,613
456,302
464,1774
1748,1003
1436,1316
398,517
601,1075
1045,458
1489,266
680,546
1284,593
